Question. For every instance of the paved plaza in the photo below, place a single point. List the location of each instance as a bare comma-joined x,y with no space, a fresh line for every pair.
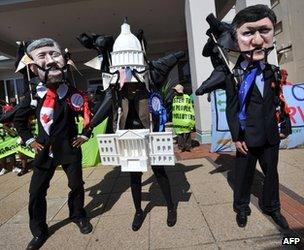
202,185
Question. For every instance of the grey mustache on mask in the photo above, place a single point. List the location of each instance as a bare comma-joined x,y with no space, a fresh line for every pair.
53,68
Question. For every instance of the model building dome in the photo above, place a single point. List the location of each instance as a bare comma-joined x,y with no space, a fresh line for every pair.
127,51
126,40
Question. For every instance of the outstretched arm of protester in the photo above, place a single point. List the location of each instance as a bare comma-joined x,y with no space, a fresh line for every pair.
78,141
20,121
101,114
23,127
160,68
103,111
215,81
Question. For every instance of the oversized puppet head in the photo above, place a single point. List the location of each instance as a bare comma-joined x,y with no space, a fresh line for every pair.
49,63
253,29
44,59
250,34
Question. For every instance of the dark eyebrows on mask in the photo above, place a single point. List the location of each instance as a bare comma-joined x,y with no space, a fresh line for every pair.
258,28
41,54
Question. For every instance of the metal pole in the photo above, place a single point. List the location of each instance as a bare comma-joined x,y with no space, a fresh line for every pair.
224,57
16,91
118,118
29,81
6,92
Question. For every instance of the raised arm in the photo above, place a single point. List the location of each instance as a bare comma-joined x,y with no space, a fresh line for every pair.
104,109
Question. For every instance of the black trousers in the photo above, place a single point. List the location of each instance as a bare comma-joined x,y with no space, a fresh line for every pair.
137,118
163,181
244,174
40,182
184,141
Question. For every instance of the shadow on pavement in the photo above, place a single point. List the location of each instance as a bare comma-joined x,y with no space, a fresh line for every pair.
179,187
225,165
58,225
101,201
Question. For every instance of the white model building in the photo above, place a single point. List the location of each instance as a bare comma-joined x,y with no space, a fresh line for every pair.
136,149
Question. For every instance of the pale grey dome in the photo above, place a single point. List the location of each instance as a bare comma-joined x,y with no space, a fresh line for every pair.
126,40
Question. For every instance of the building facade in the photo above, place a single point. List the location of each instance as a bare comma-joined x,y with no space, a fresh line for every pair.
289,38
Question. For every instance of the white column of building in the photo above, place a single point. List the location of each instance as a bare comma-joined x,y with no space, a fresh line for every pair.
16,91
241,4
5,91
196,12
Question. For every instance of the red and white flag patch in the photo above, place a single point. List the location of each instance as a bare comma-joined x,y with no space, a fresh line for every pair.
47,110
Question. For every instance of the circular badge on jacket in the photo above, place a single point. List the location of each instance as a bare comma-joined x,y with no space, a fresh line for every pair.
155,103
77,100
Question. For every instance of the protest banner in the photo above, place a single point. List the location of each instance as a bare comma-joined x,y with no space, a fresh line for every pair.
221,137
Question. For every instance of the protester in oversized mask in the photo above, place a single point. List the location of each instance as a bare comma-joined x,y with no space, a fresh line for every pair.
57,142
251,113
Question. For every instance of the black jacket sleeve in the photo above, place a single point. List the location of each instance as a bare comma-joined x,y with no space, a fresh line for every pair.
285,126
104,109
20,121
87,132
232,107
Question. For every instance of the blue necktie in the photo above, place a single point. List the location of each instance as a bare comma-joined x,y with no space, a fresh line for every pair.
162,119
243,92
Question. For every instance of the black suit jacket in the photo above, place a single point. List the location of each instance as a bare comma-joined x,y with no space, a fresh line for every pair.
62,132
261,125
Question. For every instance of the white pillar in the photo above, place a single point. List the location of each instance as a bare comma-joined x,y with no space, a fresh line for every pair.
5,91
241,4
16,91
196,12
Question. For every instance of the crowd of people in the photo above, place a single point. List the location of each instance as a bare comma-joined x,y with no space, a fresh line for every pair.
17,163
252,113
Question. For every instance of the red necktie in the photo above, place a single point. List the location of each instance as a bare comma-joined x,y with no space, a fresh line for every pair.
47,110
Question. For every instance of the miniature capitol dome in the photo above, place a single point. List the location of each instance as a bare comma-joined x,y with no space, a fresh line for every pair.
126,40
127,52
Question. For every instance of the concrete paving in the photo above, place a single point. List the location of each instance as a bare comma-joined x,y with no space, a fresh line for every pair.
201,188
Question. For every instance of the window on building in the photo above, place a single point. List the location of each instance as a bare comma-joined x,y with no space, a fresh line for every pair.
278,28
11,89
2,91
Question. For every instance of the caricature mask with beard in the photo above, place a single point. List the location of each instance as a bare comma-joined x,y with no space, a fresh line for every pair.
50,65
